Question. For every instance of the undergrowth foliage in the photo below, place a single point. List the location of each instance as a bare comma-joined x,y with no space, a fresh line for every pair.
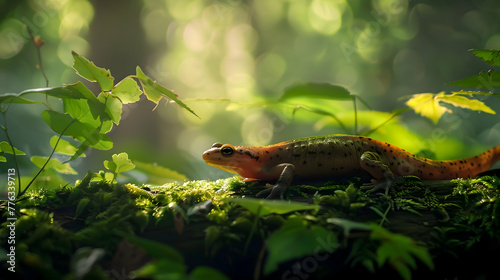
300,239
313,97
85,116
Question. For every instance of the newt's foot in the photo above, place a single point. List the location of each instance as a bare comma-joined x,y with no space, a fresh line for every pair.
275,192
374,186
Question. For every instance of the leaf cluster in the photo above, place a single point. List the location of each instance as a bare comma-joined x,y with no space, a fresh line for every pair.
85,116
430,105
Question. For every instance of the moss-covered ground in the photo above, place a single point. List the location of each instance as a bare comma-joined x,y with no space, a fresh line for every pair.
219,230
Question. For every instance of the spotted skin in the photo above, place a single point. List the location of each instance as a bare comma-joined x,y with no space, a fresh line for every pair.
339,155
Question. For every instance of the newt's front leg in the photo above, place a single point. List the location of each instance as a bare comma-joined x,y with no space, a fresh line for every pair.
384,178
285,179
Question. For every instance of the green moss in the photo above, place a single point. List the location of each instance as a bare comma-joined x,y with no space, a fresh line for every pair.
445,216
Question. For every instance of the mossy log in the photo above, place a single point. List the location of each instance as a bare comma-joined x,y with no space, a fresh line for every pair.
446,229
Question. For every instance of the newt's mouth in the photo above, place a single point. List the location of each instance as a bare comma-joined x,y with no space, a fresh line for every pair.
229,167
213,158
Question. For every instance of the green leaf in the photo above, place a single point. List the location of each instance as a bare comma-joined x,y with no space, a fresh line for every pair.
482,80
73,91
162,269
82,205
491,57
317,91
206,272
159,174
7,148
399,251
89,71
63,147
81,110
103,176
53,163
93,113
348,225
127,90
427,105
157,250
120,163
79,152
298,240
155,92
152,92
265,207
83,132
79,89
3,159
113,106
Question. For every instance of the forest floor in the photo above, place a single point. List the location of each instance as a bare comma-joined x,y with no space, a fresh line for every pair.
219,230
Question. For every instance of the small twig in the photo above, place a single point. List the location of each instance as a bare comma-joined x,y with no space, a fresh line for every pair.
38,44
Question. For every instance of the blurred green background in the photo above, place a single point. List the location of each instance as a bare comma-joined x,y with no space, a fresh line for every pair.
249,52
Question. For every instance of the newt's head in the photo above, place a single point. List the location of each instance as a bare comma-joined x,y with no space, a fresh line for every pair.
235,159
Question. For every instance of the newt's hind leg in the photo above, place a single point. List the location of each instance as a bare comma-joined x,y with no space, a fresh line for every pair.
383,177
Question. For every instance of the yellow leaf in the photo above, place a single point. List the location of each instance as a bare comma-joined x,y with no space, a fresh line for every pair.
464,102
427,105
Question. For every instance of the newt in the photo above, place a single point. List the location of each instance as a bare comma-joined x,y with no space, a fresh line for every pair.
339,155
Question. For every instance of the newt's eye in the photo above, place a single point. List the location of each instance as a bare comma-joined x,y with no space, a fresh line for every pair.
217,145
227,150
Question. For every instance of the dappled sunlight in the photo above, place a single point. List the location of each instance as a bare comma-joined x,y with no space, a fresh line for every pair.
326,16
257,129
270,68
232,60
75,19
11,42
120,120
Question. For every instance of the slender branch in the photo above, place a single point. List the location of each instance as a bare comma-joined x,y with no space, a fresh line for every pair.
47,161
38,43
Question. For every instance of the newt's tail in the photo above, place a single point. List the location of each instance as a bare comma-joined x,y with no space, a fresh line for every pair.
482,162
495,155
465,168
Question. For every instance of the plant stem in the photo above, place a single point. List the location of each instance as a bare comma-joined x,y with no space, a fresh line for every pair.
4,127
252,231
46,162
39,56
355,115
260,259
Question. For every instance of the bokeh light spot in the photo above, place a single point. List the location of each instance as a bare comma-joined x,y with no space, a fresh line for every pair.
325,16
257,129
11,37
270,68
